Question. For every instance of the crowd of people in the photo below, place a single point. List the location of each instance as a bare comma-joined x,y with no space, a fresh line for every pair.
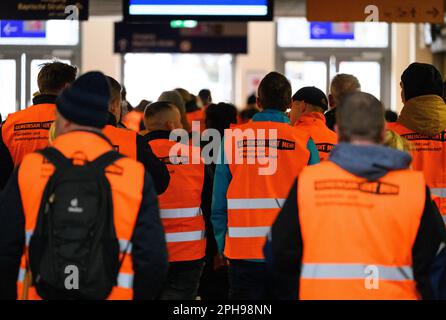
95,204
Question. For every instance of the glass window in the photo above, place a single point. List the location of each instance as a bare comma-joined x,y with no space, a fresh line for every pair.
306,73
8,85
146,76
368,74
298,32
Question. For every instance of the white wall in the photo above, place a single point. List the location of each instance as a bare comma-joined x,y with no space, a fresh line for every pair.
407,47
97,46
260,57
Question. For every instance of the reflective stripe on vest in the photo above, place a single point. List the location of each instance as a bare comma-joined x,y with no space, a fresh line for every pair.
21,276
439,192
28,236
265,203
180,213
184,236
125,246
125,280
251,232
354,271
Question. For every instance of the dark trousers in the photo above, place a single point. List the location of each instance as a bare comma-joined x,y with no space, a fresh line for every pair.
182,280
249,281
214,284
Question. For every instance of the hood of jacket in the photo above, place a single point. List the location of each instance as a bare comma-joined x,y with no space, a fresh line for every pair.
424,114
371,161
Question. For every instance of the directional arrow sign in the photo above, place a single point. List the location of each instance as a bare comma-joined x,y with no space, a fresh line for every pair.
8,29
389,11
22,29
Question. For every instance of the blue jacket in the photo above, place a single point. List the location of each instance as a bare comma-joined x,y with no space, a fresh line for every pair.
223,177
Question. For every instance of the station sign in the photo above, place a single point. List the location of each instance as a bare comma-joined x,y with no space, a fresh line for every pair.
425,11
332,31
163,38
44,9
22,29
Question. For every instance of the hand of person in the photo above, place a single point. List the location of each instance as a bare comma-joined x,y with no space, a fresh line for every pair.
220,261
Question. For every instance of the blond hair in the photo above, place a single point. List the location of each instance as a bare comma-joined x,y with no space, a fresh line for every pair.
395,141
342,85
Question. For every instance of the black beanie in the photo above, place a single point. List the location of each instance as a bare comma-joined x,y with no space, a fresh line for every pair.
421,79
86,101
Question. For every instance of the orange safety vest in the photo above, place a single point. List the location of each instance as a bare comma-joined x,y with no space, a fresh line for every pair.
132,120
323,137
126,179
124,141
358,234
180,205
197,115
255,195
429,154
27,131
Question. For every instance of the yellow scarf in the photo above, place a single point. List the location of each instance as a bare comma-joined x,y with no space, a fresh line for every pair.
424,114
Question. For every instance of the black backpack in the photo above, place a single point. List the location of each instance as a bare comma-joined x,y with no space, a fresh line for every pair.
74,251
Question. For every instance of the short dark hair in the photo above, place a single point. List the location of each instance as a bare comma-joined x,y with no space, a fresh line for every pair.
360,115
115,89
157,107
205,96
391,116
252,99
248,114
275,92
53,76
220,116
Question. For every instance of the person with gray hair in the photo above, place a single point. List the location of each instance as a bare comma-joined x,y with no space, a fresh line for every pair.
341,86
174,97
359,226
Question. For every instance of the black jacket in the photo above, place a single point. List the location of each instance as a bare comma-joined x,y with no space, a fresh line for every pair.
144,154
149,251
285,250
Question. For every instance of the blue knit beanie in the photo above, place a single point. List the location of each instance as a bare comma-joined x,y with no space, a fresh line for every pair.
86,101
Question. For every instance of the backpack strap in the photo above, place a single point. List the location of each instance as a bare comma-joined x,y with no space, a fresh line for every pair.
105,160
56,158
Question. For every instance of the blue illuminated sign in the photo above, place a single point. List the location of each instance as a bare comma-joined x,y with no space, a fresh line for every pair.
22,29
332,31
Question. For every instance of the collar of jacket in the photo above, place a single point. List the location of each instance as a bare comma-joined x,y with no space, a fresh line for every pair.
271,115
424,114
371,161
44,99
311,118
157,134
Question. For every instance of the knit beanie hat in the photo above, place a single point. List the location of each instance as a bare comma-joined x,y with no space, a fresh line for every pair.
86,101
421,79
